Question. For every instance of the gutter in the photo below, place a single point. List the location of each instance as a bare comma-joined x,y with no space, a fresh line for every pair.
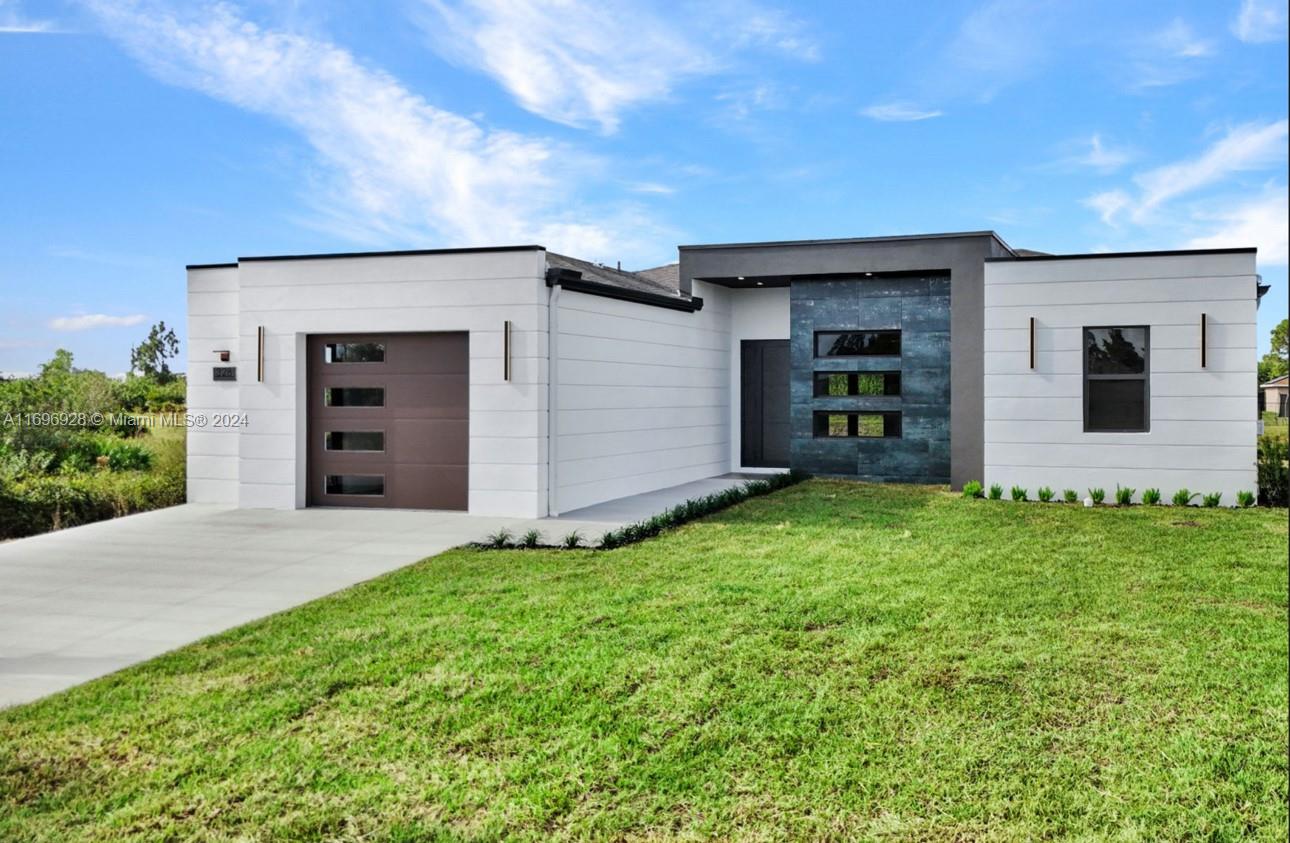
571,279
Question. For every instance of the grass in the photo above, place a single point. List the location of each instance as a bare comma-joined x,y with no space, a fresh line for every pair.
832,661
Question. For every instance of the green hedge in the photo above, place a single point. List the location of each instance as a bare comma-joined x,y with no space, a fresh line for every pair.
697,508
39,504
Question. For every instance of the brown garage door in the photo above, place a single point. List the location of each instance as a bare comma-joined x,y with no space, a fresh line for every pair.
388,420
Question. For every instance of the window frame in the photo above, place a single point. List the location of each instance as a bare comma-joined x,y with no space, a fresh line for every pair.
1144,377
887,375
328,346
328,389
328,475
815,343
327,442
853,424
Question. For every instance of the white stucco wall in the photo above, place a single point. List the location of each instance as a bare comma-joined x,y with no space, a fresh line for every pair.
474,292
642,396
755,314
1203,420
212,326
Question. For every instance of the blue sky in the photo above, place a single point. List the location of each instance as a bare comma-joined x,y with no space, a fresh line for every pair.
136,137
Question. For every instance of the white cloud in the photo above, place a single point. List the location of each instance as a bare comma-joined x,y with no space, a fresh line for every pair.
1245,148
1260,21
1261,222
12,21
398,169
1101,156
650,187
585,62
1108,204
1250,146
1179,41
899,112
85,321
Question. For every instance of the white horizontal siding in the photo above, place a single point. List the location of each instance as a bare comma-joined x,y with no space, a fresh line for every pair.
1202,420
212,326
642,396
472,292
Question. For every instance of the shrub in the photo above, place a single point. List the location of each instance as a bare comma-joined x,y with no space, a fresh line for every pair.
1097,494
1018,493
1151,497
1245,499
37,504
500,539
696,508
972,489
1212,500
530,540
1273,473
1184,497
1124,495
1045,494
1070,496
996,492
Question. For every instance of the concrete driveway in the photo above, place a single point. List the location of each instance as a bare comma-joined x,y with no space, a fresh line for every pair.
80,603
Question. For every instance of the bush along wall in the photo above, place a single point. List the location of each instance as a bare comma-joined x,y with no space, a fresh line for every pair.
1273,469
650,527
697,508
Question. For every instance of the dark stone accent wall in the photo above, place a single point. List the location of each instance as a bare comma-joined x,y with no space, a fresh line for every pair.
920,308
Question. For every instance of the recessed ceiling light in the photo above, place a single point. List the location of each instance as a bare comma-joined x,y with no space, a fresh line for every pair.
761,283
739,278
869,274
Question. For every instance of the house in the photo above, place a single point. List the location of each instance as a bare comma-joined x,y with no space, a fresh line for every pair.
517,381
1275,394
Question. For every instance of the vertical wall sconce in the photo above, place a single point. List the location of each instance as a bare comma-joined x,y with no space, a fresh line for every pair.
506,350
1032,342
1204,340
259,354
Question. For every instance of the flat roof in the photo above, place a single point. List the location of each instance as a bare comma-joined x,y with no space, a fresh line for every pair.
845,241
1095,255
466,250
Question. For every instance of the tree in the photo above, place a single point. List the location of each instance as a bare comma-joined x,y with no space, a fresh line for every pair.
151,357
1274,363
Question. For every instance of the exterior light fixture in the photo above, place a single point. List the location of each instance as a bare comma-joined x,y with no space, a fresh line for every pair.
506,350
259,354
739,278
1032,342
761,283
223,354
1204,345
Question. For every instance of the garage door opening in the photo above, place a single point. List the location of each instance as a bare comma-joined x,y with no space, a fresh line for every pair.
389,420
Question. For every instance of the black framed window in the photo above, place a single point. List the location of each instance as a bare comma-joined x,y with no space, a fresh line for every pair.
1117,379
857,343
861,425
354,440
370,485
354,396
844,384
354,352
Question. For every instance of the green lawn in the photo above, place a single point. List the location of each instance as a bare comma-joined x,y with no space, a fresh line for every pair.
833,661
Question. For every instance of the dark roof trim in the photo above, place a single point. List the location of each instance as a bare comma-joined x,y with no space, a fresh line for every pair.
848,241
211,266
394,254
571,279
1096,255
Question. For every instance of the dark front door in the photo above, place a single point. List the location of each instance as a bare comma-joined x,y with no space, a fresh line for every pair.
388,420
764,405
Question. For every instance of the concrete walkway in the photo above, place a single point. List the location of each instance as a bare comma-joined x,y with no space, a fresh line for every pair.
81,603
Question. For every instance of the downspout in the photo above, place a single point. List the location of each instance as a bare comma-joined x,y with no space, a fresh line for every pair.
552,389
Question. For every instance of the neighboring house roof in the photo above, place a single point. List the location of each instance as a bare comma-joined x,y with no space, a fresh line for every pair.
669,275
1284,380
638,281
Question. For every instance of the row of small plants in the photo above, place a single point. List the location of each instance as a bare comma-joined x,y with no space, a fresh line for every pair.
1123,495
650,527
